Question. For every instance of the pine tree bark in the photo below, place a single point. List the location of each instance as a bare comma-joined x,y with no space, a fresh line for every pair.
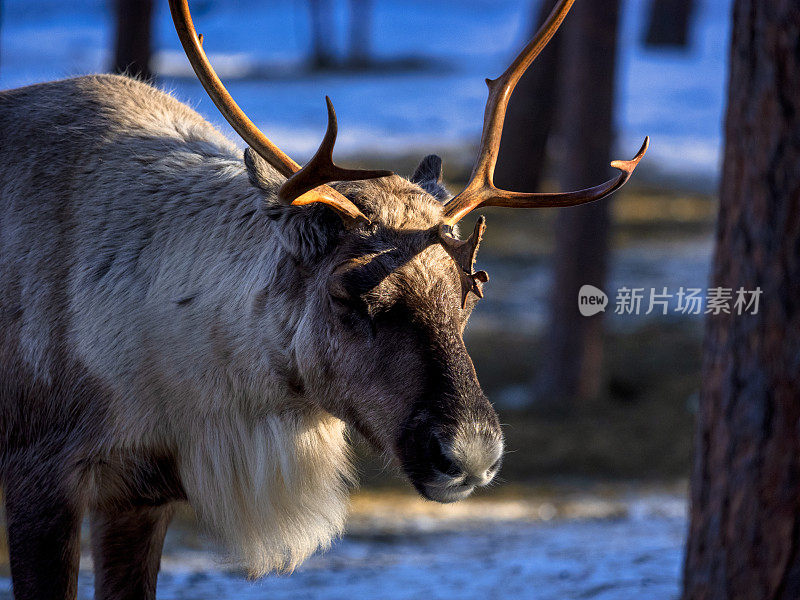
359,55
133,48
322,52
574,344
669,23
1,25
530,117
744,537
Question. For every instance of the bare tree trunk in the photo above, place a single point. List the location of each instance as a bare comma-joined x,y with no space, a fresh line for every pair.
530,116
574,344
359,54
132,51
669,22
322,52
744,537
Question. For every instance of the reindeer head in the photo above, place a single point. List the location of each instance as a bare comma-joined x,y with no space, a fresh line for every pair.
393,285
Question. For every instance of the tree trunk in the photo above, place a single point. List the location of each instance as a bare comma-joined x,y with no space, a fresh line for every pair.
668,24
574,344
359,55
744,536
530,117
322,53
132,52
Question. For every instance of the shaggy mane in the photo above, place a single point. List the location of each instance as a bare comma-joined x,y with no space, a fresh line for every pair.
272,490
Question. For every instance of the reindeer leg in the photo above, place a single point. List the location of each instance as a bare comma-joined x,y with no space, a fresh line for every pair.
43,521
126,546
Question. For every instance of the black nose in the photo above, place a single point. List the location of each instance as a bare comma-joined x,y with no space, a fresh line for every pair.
440,461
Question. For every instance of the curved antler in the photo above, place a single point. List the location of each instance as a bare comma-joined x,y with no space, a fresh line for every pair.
486,194
480,190
321,168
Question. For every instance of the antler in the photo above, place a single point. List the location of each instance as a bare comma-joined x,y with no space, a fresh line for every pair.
480,190
463,254
321,168
303,186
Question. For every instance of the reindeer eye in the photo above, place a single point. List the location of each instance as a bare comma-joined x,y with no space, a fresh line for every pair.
342,294
339,294
350,305
354,313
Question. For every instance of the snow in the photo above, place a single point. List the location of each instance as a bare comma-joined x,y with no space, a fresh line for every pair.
675,97
610,551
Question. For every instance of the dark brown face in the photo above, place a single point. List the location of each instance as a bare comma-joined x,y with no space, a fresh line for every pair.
411,389
451,441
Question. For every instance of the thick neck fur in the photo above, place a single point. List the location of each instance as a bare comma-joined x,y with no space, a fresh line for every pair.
212,304
274,488
180,294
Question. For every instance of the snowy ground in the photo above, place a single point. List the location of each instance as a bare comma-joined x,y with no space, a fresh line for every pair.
584,547
675,97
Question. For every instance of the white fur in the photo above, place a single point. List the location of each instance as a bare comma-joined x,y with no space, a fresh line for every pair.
273,490
135,205
134,244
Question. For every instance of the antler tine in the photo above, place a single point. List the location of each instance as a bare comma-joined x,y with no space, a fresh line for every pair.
193,46
463,254
500,91
489,195
321,168
481,191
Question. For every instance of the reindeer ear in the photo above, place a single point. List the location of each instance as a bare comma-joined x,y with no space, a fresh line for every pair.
305,232
428,171
260,172
428,176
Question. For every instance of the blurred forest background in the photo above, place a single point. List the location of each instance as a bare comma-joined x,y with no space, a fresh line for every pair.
599,411
606,396
610,396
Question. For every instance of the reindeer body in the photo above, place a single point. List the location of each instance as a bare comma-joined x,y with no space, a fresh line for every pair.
138,275
181,322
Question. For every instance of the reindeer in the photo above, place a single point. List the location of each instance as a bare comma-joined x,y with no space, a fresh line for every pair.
183,323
